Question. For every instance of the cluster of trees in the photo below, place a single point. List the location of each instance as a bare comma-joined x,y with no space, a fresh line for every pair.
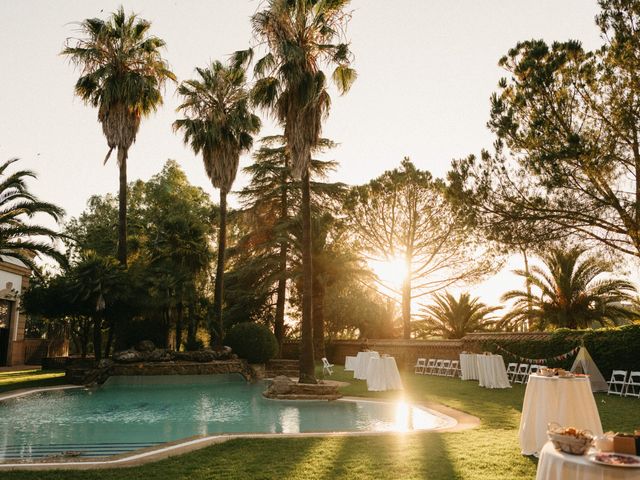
565,167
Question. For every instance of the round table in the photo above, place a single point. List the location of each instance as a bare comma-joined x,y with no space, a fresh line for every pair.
382,374
468,366
349,364
556,465
491,372
362,363
568,402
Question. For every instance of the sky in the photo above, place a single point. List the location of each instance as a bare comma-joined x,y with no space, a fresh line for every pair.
426,70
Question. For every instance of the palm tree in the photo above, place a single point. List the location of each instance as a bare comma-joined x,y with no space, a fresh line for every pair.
449,317
122,76
300,35
219,124
571,293
16,205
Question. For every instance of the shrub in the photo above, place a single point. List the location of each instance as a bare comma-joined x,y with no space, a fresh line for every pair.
611,348
253,342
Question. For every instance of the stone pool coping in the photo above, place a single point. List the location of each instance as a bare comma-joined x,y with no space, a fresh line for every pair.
462,421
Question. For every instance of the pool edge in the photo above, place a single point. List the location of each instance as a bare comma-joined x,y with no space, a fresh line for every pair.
463,421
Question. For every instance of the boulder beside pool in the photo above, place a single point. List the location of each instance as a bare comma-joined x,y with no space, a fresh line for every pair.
283,388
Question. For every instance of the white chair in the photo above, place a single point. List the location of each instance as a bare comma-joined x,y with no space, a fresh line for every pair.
444,368
617,383
437,367
512,368
522,373
420,366
632,387
326,366
533,369
431,365
454,369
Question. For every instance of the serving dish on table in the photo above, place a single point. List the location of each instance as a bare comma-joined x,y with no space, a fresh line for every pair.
615,459
570,440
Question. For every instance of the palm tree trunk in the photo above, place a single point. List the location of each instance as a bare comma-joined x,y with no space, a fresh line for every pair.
278,327
218,288
97,338
191,326
307,366
318,319
122,207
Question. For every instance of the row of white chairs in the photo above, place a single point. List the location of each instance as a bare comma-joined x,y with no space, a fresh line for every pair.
622,385
443,368
519,373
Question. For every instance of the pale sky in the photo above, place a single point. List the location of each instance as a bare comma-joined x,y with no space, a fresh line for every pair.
426,69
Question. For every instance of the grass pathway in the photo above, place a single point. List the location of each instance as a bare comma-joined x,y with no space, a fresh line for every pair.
486,453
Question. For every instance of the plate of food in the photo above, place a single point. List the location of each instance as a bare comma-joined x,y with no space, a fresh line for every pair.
616,459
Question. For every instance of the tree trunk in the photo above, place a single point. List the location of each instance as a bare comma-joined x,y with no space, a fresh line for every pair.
525,326
318,319
179,318
307,366
191,326
97,338
107,348
278,327
406,307
122,207
218,288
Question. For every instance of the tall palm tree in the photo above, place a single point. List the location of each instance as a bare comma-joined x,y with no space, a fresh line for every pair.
16,205
219,124
449,317
572,292
301,36
122,76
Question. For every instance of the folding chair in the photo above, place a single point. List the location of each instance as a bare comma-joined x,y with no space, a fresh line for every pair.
326,366
444,368
431,365
511,371
533,369
617,383
632,388
437,367
522,373
454,369
420,366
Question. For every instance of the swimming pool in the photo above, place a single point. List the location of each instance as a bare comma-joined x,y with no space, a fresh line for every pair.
128,413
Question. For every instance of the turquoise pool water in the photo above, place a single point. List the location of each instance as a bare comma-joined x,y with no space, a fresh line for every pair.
133,412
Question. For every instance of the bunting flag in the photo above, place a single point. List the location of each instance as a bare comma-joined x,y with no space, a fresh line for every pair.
540,361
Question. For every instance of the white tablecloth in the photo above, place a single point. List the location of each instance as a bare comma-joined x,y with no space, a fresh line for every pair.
468,366
566,401
556,465
362,363
349,364
382,374
491,372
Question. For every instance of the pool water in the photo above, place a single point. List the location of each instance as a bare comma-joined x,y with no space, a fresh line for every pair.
128,413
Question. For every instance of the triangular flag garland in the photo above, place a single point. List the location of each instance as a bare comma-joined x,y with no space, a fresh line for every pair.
540,361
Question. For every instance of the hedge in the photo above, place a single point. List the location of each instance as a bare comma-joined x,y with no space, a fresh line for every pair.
611,348
253,342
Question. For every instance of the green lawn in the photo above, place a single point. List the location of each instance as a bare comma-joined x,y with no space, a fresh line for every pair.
488,452
29,378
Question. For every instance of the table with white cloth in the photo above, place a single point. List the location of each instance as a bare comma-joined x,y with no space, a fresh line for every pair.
468,366
362,363
557,465
349,364
491,372
382,374
568,402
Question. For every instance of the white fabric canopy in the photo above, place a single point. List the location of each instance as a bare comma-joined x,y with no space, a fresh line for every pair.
585,364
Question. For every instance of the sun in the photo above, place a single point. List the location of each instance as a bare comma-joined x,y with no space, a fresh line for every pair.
392,271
